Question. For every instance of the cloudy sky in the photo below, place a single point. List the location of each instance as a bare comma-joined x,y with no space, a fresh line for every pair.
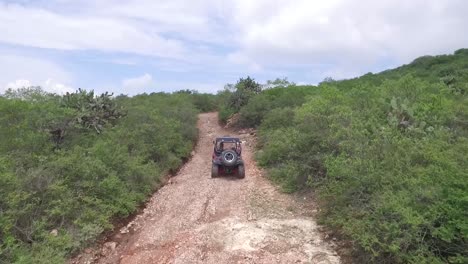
137,46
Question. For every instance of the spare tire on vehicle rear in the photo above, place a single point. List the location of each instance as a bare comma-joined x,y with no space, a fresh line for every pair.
229,157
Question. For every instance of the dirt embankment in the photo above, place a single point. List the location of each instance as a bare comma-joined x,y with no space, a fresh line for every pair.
197,219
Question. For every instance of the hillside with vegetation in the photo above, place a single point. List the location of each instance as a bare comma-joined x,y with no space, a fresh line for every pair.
71,164
386,154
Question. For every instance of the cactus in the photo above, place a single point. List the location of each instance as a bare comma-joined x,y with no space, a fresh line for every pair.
92,112
401,113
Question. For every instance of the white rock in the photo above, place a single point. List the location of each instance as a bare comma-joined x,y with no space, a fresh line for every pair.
110,245
108,248
54,232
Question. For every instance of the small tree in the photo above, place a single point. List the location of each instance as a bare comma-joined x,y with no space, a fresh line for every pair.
92,111
245,89
279,83
88,112
32,93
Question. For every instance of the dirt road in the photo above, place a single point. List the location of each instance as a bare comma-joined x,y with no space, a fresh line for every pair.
197,219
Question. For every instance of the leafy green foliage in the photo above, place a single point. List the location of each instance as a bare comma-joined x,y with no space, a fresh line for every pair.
112,153
386,154
34,93
92,111
225,111
244,90
280,97
279,82
203,102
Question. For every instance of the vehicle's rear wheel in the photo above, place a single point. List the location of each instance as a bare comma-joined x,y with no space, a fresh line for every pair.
241,171
214,171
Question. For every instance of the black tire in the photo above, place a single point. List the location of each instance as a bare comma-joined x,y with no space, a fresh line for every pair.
241,172
229,157
214,171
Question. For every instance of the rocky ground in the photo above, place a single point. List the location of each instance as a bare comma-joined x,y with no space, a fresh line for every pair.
197,219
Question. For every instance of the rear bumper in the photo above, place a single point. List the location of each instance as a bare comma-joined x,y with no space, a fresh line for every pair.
220,163
228,170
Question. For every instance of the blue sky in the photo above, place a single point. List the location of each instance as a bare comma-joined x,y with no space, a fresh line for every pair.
138,46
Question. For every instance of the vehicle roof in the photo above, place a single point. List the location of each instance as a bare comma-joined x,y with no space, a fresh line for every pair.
227,139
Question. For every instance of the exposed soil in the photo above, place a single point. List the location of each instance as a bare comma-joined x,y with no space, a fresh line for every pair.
197,219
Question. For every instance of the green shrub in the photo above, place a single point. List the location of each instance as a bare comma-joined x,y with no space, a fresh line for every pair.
225,113
252,114
102,165
244,90
386,154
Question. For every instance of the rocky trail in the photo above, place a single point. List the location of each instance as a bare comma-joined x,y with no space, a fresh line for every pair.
197,219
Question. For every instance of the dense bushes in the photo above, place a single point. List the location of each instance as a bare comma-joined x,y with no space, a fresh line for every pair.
236,96
69,165
254,103
386,154
388,170
202,101
258,106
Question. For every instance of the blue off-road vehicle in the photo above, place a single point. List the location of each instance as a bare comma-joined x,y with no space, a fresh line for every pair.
227,157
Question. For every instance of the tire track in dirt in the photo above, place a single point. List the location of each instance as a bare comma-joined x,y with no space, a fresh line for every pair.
197,219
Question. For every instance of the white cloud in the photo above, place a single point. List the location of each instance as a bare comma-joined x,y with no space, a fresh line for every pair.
224,38
18,84
196,20
29,26
19,71
350,34
56,87
242,59
49,85
137,84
